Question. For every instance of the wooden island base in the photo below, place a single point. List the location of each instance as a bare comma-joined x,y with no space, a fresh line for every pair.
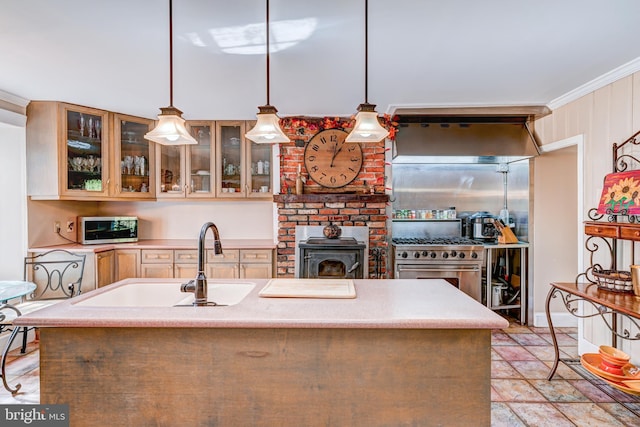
268,377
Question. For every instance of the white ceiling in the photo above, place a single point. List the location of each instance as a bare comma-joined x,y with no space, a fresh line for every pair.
114,54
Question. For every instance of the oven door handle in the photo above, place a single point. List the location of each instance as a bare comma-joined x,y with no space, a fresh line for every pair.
445,270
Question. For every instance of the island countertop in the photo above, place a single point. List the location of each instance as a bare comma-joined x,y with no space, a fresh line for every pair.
379,304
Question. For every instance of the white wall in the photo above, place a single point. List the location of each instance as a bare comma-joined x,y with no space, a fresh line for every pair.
13,214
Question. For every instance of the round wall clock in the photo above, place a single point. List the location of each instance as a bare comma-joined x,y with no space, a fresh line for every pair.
330,161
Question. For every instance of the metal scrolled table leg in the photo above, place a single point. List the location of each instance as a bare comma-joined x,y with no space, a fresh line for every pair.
556,350
3,360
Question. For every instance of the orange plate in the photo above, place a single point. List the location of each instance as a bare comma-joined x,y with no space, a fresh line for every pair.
591,362
623,387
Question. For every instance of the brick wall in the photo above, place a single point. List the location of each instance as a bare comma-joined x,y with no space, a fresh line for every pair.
343,210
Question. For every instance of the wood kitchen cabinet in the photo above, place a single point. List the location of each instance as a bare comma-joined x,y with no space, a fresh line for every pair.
105,267
185,263
133,174
188,171
67,151
82,153
256,263
156,263
224,266
243,168
127,263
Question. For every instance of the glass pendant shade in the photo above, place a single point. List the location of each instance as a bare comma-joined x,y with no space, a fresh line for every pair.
367,127
267,129
170,129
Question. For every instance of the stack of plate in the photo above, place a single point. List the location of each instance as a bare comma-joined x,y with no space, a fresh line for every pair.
626,378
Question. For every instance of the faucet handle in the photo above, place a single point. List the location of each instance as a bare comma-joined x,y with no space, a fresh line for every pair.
190,286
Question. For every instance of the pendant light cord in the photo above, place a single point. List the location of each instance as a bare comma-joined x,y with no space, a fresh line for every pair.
268,77
366,51
171,53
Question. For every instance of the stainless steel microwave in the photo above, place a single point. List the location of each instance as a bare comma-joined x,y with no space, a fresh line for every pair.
107,229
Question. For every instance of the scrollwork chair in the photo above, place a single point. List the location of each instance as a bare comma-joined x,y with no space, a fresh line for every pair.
58,275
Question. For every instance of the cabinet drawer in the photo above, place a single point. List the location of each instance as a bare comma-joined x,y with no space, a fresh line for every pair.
630,233
256,256
186,256
228,255
602,230
157,256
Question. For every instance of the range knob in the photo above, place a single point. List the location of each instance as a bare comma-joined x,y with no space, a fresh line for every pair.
445,255
461,255
404,255
432,254
425,253
474,255
454,253
416,255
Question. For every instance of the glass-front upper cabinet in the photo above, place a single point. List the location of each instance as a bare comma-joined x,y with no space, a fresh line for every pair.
259,157
134,158
85,153
230,162
200,160
187,170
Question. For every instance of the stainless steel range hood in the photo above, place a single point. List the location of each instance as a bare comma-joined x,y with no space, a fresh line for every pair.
445,139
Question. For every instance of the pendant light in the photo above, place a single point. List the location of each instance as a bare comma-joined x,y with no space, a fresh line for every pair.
267,129
367,127
170,129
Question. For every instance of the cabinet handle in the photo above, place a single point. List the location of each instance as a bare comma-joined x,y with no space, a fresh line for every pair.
637,233
598,230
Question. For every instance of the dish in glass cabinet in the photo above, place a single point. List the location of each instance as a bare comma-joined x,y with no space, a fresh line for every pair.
202,172
592,361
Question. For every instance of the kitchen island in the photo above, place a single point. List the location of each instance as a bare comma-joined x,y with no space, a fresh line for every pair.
403,352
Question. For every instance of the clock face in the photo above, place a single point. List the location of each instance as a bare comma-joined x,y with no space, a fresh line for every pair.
330,161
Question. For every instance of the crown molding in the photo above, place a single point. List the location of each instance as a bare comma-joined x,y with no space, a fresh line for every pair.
595,84
13,99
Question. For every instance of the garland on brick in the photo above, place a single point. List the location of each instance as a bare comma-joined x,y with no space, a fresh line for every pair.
306,126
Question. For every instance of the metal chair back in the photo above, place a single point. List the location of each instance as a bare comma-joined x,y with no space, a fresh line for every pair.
58,274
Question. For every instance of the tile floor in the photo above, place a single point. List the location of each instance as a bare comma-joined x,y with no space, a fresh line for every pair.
520,393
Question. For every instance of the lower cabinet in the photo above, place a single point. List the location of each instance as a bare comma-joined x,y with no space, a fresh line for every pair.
156,263
256,263
127,263
185,263
223,266
105,268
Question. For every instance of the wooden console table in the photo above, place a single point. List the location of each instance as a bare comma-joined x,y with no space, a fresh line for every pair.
618,305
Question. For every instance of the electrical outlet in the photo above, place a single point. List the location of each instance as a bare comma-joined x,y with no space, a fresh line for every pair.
56,227
71,226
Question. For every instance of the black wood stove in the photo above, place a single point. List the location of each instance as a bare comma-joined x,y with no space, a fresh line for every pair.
339,258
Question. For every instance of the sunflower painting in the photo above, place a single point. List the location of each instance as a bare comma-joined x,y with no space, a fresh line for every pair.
621,194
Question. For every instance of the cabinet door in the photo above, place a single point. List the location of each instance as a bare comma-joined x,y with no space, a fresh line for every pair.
127,263
105,267
200,161
134,156
171,165
84,154
256,271
230,162
185,271
258,171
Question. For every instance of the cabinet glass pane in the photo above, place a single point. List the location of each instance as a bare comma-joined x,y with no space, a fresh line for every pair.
260,168
84,151
170,160
200,160
134,150
231,158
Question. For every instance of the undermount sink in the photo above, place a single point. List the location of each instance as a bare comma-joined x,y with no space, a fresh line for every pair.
166,295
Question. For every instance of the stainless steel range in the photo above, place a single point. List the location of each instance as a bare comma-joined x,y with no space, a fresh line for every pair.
458,260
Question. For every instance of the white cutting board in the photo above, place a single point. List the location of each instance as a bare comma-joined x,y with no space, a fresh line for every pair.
309,288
